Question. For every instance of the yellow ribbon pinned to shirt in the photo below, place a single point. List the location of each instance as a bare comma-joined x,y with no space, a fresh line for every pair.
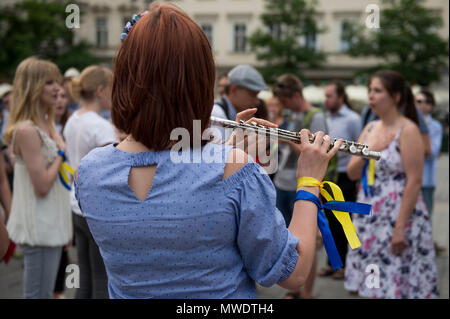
342,217
65,180
371,177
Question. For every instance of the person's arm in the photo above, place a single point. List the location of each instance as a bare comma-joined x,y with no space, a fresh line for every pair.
436,141
410,147
29,144
425,132
4,240
427,144
356,164
11,160
312,162
5,191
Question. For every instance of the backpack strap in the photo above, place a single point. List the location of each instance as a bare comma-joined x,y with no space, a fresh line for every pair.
306,122
223,104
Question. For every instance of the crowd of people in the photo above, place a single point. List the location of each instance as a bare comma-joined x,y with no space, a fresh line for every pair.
146,227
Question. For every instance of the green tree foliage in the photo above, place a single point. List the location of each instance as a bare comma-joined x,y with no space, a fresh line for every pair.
287,42
407,41
38,28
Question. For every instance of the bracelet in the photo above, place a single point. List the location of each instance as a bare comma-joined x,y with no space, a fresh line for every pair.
305,195
306,181
335,202
328,241
63,155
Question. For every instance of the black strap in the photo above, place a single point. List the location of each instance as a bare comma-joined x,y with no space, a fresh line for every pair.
223,104
366,116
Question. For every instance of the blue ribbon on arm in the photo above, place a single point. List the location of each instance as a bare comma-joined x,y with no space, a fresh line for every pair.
327,237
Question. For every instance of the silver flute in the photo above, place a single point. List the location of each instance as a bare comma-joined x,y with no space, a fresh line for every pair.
348,147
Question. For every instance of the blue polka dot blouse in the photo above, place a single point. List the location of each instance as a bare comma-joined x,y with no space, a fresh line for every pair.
194,236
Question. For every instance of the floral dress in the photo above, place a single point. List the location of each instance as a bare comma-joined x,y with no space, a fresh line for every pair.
372,269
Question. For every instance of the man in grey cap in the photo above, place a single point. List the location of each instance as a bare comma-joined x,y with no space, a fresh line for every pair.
244,84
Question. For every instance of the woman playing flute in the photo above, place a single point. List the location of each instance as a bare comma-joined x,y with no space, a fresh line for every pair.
187,230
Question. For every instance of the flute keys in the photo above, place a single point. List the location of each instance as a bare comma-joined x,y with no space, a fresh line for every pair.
365,151
353,149
343,145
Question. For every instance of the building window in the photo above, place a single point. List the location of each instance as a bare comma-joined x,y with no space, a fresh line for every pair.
102,32
275,31
311,41
208,29
344,44
239,38
308,41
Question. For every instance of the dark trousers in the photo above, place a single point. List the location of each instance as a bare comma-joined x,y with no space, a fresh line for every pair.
61,277
93,279
349,191
285,203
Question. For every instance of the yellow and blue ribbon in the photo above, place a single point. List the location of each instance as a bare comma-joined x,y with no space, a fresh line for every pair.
368,177
335,202
63,170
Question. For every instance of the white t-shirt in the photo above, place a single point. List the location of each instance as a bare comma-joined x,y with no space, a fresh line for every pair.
82,134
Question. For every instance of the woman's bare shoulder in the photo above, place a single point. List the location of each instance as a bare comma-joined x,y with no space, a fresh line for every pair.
26,131
236,159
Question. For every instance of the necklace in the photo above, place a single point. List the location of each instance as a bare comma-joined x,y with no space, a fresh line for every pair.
129,139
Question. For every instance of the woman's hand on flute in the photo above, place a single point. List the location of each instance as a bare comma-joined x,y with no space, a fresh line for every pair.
249,139
314,157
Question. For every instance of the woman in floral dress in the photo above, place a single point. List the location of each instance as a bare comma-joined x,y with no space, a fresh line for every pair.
397,257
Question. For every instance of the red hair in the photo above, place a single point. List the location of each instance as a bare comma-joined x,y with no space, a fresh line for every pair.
163,78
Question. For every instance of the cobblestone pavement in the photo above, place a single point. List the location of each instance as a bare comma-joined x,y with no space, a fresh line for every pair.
324,288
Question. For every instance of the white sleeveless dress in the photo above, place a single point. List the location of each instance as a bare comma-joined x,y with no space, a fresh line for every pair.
39,221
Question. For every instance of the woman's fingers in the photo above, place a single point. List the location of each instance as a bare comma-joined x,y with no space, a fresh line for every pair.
318,138
246,114
326,141
336,147
304,137
261,122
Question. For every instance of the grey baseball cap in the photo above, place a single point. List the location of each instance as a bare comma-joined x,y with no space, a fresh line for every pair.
247,77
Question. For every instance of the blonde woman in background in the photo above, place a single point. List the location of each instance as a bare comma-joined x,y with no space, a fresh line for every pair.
84,131
40,214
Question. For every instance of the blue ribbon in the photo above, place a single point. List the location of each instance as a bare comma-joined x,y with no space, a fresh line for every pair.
349,207
368,190
61,178
328,240
327,237
63,182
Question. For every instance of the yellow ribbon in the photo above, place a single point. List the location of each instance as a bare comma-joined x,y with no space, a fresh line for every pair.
371,177
63,168
342,217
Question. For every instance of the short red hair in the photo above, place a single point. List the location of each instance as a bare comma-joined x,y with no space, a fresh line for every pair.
163,78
